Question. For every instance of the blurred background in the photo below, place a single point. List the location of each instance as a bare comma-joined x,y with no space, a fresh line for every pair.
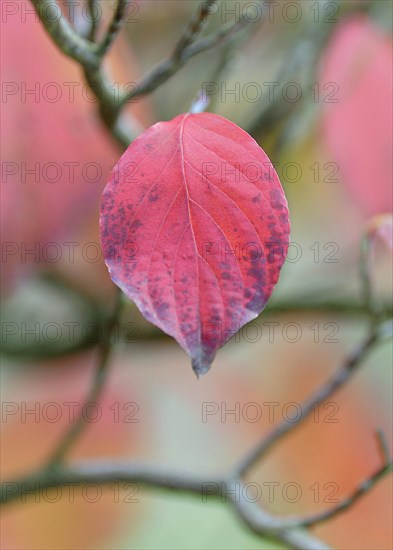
312,83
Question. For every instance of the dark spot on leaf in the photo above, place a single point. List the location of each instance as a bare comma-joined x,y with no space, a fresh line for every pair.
153,197
255,272
136,224
161,308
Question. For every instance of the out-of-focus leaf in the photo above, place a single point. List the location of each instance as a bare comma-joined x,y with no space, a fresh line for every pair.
356,81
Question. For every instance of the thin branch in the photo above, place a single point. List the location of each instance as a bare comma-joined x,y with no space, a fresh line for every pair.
263,523
359,492
168,67
64,36
288,530
339,378
222,36
193,29
104,472
91,9
96,388
115,26
207,487
299,305
108,105
305,53
90,56
227,55
383,447
338,306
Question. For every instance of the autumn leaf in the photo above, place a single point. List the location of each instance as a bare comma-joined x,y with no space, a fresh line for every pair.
195,229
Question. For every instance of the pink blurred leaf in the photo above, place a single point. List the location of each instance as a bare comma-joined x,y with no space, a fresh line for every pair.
195,229
56,153
357,121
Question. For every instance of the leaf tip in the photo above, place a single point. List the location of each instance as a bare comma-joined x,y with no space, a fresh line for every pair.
200,366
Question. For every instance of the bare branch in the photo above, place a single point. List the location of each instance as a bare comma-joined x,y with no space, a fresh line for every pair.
292,531
262,523
64,36
339,378
115,26
359,492
168,67
90,56
312,304
193,28
383,447
104,472
92,8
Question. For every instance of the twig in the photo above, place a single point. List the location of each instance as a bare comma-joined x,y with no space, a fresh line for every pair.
193,28
103,472
289,530
304,54
226,56
64,36
108,105
310,305
360,491
383,447
90,56
98,471
96,388
263,523
114,27
167,68
91,9
339,378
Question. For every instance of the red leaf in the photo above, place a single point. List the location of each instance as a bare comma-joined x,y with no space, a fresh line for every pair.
195,229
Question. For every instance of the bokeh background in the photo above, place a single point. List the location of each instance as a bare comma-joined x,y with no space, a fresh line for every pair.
335,165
